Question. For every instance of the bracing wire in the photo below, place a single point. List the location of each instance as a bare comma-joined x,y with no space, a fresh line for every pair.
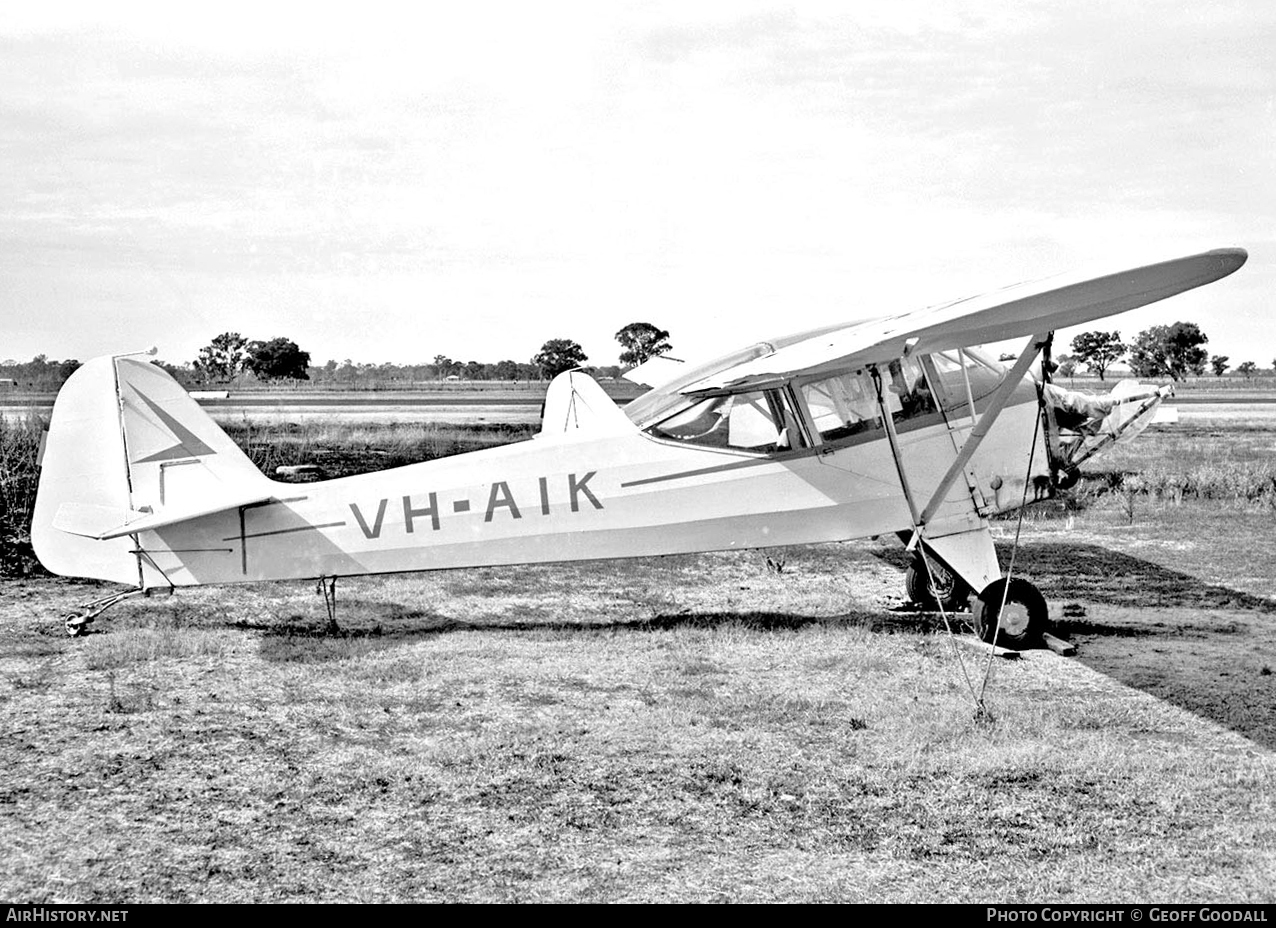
1014,552
952,637
981,709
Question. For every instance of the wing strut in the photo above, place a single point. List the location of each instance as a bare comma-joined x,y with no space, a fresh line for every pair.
1000,397
888,420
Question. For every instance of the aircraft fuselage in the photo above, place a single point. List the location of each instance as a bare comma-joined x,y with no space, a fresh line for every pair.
565,498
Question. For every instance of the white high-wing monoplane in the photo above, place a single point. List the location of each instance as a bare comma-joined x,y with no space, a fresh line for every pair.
895,425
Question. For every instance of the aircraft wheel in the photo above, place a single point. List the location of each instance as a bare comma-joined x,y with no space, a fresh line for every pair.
1023,619
76,624
949,591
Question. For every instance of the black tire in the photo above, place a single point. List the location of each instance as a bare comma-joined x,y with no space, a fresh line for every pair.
950,591
1066,478
1023,620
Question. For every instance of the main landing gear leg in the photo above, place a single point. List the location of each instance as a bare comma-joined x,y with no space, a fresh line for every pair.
937,588
328,587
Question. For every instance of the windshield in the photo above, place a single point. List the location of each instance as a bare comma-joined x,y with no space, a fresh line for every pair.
761,421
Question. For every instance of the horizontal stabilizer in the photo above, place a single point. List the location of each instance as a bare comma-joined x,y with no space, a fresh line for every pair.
104,523
90,521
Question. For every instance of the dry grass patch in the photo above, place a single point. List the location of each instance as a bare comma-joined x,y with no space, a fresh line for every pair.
342,447
797,748
144,645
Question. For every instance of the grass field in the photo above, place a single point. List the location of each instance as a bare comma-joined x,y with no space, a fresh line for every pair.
707,728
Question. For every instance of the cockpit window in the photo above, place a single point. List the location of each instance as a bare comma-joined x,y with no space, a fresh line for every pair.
908,392
761,422
946,373
842,406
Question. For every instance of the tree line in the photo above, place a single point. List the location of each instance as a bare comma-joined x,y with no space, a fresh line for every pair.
1173,351
231,356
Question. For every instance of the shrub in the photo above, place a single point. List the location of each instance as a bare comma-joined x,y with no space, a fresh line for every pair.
19,476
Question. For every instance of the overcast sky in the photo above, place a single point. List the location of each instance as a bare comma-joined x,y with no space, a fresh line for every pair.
381,184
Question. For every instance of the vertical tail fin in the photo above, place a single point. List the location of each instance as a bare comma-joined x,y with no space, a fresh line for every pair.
576,405
129,449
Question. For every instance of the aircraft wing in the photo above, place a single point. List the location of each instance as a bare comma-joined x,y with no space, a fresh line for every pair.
656,371
1021,310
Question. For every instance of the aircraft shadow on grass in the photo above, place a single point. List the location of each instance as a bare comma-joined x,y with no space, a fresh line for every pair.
394,626
1066,574
1078,580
